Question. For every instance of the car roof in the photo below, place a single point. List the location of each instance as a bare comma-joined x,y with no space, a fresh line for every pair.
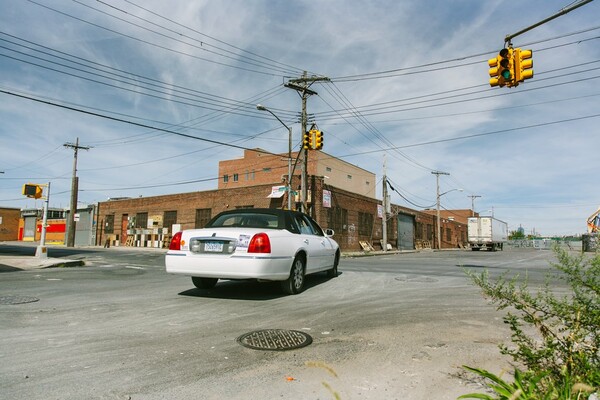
276,211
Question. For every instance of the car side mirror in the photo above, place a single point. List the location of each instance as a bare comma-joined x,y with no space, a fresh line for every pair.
329,232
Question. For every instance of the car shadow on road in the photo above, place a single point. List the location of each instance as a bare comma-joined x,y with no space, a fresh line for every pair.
252,290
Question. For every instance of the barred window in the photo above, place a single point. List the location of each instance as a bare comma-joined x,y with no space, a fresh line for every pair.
109,224
429,232
169,219
365,224
337,219
141,220
203,215
448,235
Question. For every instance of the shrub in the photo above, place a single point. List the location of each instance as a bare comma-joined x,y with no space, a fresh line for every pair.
555,338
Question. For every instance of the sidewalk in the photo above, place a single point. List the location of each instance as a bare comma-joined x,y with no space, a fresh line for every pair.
27,263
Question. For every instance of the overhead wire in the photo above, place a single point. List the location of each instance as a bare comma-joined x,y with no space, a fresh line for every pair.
169,49
292,69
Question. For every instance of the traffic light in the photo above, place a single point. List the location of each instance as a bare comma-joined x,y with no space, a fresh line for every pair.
318,140
494,72
32,190
523,65
506,70
307,142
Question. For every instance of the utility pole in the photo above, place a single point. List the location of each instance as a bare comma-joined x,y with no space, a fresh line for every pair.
439,229
385,207
473,197
74,189
301,85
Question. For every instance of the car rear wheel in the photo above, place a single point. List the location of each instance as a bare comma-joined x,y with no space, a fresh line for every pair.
294,284
333,272
204,283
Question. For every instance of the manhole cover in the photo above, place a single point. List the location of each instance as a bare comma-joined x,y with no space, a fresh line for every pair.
9,300
275,339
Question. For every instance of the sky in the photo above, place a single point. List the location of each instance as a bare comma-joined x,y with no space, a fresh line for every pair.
157,93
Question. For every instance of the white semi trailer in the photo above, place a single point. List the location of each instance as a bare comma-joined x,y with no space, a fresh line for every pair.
486,233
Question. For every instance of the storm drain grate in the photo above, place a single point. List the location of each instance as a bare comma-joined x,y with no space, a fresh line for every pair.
275,339
10,300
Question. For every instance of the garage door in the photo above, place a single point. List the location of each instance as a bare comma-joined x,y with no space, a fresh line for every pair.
406,232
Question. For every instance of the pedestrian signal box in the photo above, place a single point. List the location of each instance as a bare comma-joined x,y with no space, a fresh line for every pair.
32,190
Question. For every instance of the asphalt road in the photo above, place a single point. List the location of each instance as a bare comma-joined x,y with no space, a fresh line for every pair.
392,326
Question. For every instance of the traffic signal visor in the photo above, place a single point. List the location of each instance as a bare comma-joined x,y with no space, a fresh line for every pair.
32,190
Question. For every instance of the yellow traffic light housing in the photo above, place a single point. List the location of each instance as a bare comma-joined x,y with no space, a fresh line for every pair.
523,65
494,72
32,190
307,141
506,69
502,69
318,143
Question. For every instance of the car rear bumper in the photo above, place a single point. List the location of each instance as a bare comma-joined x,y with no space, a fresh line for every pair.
263,266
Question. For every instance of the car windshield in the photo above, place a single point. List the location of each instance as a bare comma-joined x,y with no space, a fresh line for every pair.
246,219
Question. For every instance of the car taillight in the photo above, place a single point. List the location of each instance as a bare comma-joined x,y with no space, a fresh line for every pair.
176,242
259,243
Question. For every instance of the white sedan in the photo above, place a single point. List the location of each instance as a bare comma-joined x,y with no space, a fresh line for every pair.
254,243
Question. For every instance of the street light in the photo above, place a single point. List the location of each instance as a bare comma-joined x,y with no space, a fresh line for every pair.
260,107
439,228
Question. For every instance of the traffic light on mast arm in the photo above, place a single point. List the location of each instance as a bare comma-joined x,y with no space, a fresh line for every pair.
523,64
502,69
32,190
494,72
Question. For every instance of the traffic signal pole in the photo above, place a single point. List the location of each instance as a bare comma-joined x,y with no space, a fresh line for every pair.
564,11
41,251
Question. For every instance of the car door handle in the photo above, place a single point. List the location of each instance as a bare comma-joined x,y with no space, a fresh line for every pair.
306,241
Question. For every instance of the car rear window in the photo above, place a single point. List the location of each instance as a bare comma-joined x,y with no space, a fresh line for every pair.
245,219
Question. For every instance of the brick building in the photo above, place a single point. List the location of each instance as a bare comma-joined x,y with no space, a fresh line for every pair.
350,209
9,223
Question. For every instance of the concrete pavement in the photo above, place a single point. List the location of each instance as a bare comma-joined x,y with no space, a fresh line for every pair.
11,263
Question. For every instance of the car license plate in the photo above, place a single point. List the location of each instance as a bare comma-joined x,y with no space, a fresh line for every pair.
213,247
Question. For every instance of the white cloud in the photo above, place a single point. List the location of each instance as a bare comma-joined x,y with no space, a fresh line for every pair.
541,177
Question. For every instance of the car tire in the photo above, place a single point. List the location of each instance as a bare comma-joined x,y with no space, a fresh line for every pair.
333,272
204,283
294,284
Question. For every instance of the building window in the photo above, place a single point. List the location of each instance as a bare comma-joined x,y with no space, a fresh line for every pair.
368,183
349,176
328,169
235,177
429,232
365,224
141,220
109,224
266,169
56,214
337,219
203,215
448,235
225,178
419,232
169,219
